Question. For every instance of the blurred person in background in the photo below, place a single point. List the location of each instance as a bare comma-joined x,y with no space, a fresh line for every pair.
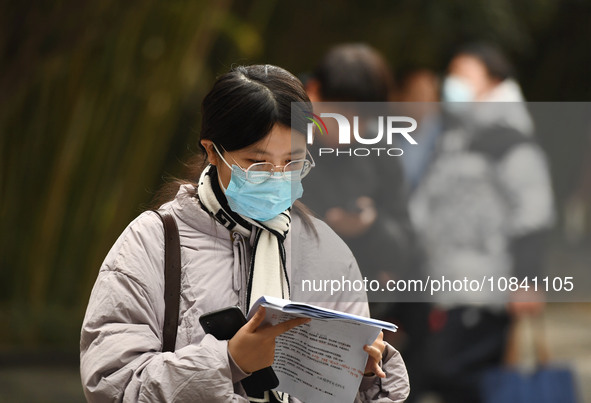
418,89
480,72
364,199
483,209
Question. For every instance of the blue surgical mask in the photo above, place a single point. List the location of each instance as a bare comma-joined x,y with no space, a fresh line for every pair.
456,89
261,201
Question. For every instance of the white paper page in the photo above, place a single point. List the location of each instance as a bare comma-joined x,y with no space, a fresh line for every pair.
311,311
323,360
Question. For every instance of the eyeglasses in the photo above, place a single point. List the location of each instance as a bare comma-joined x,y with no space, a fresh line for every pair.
261,171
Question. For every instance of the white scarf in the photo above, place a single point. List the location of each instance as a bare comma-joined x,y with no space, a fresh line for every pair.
267,272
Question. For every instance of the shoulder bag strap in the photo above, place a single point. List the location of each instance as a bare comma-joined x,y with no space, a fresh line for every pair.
172,280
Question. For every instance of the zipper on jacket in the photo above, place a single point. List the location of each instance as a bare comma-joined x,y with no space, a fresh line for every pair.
239,261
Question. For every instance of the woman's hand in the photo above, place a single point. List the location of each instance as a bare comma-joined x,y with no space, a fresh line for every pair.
253,347
375,356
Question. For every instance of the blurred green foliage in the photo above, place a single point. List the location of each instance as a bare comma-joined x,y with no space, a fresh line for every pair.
99,99
92,96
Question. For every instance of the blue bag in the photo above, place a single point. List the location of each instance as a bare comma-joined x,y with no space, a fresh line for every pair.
544,385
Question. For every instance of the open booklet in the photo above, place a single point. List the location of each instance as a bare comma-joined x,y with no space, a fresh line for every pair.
322,360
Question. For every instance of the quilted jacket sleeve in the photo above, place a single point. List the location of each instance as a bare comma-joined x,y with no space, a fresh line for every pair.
121,337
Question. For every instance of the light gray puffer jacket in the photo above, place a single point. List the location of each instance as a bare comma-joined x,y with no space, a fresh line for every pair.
121,338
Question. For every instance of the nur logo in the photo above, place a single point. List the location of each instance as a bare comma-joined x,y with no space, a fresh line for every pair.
388,126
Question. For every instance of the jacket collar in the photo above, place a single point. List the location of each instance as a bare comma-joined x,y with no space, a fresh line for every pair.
188,209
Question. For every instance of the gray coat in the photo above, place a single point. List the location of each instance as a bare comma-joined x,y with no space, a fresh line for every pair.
121,338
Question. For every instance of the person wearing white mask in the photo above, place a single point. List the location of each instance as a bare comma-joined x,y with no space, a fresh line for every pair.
483,209
480,72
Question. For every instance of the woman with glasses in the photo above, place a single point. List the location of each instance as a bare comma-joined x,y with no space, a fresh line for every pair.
242,235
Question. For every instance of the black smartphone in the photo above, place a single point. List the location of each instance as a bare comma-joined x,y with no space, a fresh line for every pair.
223,325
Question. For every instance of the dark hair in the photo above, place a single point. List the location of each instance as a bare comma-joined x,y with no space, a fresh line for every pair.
355,73
245,104
496,63
241,109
